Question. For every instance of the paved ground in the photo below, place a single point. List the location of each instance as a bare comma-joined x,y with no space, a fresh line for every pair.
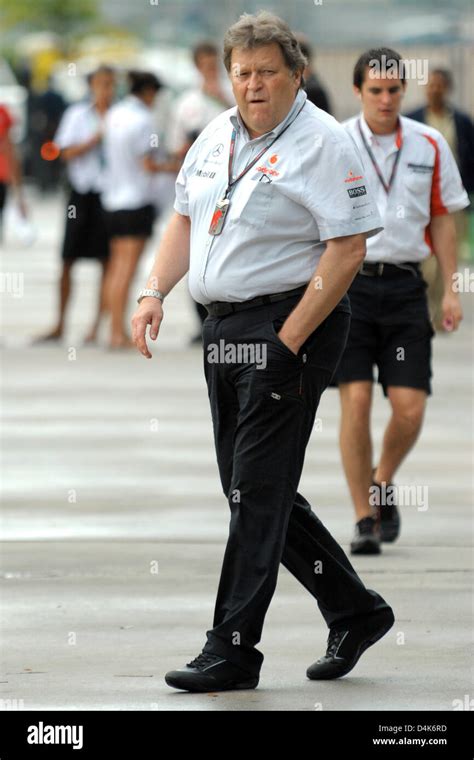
114,525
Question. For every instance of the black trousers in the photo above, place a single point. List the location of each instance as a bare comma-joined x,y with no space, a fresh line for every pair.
263,412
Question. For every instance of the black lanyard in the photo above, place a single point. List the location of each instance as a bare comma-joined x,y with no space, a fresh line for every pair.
385,186
257,158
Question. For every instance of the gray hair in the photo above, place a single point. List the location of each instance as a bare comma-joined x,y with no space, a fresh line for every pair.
263,28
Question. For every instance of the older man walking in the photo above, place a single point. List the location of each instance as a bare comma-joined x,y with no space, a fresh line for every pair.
271,219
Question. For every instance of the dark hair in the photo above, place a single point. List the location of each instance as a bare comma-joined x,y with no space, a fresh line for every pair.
204,48
446,74
102,69
143,80
381,57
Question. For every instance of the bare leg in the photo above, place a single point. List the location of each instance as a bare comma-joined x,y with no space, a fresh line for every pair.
408,407
110,273
356,442
125,253
102,307
64,294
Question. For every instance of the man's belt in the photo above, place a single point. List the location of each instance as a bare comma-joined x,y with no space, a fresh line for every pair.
382,269
221,308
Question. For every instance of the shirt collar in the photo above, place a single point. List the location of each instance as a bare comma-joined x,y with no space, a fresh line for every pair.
239,125
372,138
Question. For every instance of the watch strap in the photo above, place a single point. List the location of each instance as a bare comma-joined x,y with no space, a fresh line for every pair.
150,292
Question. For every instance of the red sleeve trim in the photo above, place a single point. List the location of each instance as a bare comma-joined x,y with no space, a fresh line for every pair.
437,206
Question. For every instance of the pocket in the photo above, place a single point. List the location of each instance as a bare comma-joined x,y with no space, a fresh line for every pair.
283,371
314,337
275,326
253,206
419,183
283,396
325,346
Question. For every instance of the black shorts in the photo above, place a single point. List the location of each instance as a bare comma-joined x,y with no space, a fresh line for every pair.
137,222
390,329
3,195
85,235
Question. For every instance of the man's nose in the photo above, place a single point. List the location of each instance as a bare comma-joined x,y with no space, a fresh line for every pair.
255,81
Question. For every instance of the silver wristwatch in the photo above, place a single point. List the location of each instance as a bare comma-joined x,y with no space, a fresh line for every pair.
150,292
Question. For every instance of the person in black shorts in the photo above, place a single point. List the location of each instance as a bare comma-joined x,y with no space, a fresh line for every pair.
130,142
79,138
412,172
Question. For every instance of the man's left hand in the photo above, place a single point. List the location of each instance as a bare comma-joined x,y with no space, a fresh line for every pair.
452,311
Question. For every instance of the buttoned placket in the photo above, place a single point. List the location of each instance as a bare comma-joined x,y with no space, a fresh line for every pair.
383,158
244,144
248,149
251,148
385,162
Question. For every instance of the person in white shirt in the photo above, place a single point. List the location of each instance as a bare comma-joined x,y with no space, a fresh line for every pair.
79,139
410,168
197,107
194,110
272,241
130,146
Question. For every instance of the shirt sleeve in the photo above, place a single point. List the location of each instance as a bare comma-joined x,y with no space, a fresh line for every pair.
447,191
177,132
336,190
67,134
181,203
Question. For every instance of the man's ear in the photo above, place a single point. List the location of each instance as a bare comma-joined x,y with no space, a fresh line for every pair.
357,92
297,77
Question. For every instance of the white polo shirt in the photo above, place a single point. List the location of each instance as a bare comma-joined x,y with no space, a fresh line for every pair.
281,212
79,123
426,183
130,134
193,111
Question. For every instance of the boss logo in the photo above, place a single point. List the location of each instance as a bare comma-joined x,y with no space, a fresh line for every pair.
355,192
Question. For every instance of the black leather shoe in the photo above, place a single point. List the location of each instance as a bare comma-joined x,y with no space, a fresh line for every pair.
210,672
366,537
347,645
389,515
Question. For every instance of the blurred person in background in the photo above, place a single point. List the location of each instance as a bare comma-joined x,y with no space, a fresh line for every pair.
317,94
79,139
412,171
10,168
458,130
130,149
195,109
45,111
